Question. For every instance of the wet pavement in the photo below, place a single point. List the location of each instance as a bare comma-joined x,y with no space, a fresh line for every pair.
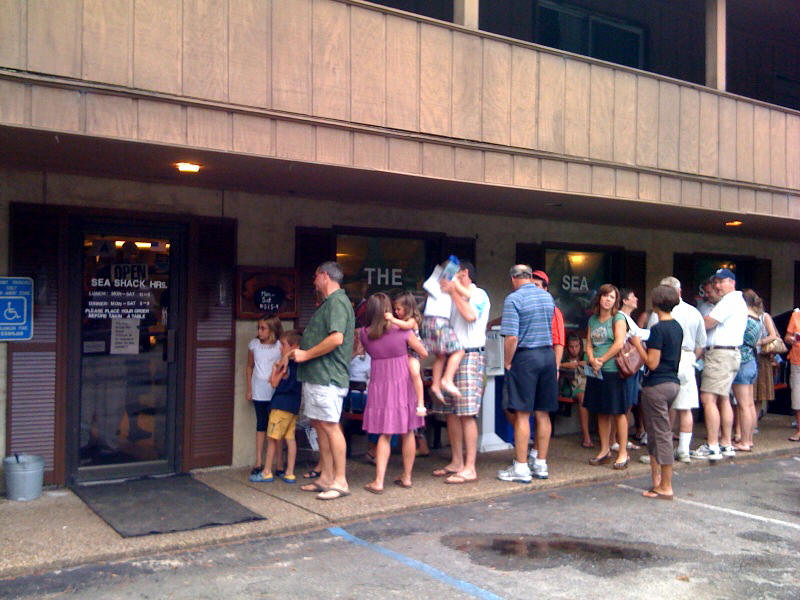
58,531
591,541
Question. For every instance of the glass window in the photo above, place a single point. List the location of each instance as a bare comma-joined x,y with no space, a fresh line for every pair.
576,30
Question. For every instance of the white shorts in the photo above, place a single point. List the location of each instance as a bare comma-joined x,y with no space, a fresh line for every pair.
323,402
794,382
687,395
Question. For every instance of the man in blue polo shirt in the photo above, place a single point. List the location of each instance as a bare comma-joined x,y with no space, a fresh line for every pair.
531,384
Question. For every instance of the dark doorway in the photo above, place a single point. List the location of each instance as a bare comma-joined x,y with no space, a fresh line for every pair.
126,318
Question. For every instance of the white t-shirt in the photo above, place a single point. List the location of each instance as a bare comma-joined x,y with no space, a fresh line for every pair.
359,368
691,321
472,335
731,314
264,356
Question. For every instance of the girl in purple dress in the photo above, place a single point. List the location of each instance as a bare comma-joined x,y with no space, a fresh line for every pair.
391,400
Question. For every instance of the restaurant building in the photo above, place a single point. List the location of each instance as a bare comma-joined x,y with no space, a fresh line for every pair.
601,141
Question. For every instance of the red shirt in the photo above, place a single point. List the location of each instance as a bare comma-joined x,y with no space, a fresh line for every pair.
559,335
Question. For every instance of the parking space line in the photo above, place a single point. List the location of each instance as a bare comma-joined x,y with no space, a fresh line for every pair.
459,584
730,511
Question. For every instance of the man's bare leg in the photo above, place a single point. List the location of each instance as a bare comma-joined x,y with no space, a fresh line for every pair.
542,433
522,433
712,417
725,419
338,454
469,429
455,435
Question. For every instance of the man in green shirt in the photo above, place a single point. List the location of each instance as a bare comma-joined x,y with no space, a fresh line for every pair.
323,359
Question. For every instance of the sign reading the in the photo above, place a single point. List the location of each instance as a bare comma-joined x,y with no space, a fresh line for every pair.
16,309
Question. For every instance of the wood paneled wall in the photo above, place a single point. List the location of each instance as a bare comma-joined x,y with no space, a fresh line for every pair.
344,82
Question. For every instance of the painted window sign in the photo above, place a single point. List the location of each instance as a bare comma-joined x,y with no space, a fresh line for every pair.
574,279
376,263
16,309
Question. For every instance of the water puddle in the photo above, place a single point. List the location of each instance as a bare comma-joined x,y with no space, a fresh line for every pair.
528,552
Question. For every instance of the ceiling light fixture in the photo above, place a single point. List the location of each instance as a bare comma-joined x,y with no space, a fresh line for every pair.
185,167
734,223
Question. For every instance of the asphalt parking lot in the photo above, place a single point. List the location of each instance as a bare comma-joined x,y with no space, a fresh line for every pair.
732,532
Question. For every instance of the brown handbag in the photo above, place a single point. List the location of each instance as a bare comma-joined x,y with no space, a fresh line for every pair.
628,360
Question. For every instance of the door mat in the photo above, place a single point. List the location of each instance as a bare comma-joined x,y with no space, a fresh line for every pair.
161,505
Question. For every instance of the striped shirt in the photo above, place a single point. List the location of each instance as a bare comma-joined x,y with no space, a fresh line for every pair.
528,315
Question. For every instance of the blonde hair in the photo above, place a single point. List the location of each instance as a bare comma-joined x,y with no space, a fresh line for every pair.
273,323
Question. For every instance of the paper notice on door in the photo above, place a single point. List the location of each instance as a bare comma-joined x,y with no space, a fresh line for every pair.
124,336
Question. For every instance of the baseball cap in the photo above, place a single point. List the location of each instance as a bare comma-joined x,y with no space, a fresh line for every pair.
541,275
724,274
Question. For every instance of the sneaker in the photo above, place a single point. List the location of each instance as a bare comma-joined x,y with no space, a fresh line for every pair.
682,456
259,478
516,472
643,440
615,447
705,453
540,470
532,456
728,451
644,459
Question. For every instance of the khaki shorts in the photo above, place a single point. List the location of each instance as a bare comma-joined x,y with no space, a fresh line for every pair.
281,425
323,402
720,367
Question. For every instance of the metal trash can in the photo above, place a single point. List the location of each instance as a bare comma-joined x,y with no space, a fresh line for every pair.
24,476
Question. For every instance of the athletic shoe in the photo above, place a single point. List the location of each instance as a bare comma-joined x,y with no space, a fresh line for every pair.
728,451
516,472
682,456
705,453
644,459
533,455
643,441
540,470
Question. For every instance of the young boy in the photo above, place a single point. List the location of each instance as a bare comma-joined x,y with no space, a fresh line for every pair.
283,416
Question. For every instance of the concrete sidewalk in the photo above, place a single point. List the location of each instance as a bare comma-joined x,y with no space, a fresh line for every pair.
59,530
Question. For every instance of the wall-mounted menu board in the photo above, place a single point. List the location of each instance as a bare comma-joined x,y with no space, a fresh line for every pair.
266,290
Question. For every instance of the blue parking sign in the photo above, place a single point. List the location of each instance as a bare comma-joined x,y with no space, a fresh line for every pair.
16,309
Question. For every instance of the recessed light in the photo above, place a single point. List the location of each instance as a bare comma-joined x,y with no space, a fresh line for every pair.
734,223
185,167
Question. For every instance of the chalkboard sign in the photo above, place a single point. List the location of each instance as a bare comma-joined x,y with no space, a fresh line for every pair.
266,291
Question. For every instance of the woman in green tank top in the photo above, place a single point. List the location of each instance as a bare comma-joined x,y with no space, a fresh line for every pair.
605,393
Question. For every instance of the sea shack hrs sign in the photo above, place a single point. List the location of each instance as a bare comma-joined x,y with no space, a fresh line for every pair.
123,294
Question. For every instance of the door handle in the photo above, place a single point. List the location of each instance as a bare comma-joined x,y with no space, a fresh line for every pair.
170,345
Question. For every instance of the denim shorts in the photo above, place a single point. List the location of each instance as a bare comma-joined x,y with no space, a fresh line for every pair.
747,374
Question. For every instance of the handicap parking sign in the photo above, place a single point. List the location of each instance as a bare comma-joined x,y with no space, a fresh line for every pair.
16,309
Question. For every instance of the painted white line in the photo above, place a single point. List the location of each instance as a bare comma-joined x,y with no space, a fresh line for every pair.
730,511
797,458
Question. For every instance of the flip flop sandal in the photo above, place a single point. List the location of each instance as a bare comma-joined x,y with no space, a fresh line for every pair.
400,483
312,474
443,473
333,494
313,487
657,496
373,490
460,479
794,438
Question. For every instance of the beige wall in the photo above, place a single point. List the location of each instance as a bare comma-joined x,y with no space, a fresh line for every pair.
286,78
266,236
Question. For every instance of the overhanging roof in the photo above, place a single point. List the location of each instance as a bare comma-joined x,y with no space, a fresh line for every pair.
102,157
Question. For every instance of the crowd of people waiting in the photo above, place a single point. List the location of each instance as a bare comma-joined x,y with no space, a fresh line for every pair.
620,370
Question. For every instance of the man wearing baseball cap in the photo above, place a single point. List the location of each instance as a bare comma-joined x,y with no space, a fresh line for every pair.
725,324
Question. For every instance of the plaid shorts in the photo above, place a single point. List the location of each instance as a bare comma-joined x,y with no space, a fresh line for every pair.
438,336
469,380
